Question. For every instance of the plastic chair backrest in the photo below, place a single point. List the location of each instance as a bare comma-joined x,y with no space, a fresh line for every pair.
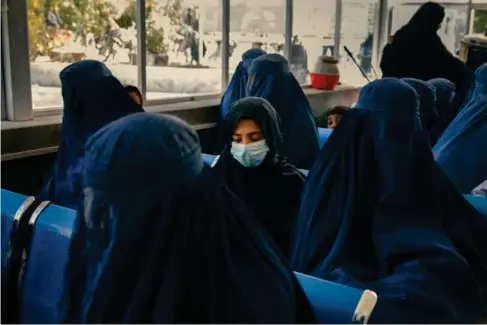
43,279
208,159
11,203
334,303
478,202
323,135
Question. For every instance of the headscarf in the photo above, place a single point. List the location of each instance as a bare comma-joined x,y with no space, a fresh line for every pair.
269,78
273,189
417,51
236,88
92,97
377,213
445,104
428,112
159,241
460,151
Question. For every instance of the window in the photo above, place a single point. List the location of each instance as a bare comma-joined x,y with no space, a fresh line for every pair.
313,31
454,26
357,34
181,60
480,22
184,41
256,24
62,32
183,48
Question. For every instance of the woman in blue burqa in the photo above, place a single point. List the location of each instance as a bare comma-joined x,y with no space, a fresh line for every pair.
428,113
461,151
92,98
270,78
160,241
236,87
251,165
377,213
416,51
446,107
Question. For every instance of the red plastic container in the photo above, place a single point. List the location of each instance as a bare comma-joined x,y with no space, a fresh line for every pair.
323,81
325,74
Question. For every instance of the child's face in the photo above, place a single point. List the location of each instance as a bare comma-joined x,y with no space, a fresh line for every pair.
333,120
136,97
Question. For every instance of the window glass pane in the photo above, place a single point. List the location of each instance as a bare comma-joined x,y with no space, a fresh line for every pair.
64,31
314,31
480,22
454,26
357,34
184,46
256,23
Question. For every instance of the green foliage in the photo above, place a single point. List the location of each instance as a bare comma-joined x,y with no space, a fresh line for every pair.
155,39
36,20
480,22
85,16
82,17
41,42
128,18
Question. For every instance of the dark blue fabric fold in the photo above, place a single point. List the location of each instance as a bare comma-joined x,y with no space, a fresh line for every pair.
160,241
377,213
460,150
427,103
269,78
236,87
92,98
446,106
273,189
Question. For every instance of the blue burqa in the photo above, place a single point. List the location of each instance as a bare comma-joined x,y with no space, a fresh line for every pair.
446,106
92,98
428,112
236,88
269,78
377,213
460,151
159,241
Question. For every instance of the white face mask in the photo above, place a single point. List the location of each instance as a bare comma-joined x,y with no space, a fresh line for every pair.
250,155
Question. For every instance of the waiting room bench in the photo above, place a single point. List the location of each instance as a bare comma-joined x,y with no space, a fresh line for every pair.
46,257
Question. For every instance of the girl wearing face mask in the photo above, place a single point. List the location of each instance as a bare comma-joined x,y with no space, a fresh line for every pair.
251,166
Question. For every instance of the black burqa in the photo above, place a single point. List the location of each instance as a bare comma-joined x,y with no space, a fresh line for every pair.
273,189
160,241
417,51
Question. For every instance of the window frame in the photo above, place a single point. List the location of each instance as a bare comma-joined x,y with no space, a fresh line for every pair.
18,105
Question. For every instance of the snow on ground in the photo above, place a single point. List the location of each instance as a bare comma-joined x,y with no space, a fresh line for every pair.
162,82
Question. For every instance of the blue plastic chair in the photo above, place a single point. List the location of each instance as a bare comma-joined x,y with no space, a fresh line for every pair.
478,202
335,303
208,159
13,208
323,135
16,209
47,259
